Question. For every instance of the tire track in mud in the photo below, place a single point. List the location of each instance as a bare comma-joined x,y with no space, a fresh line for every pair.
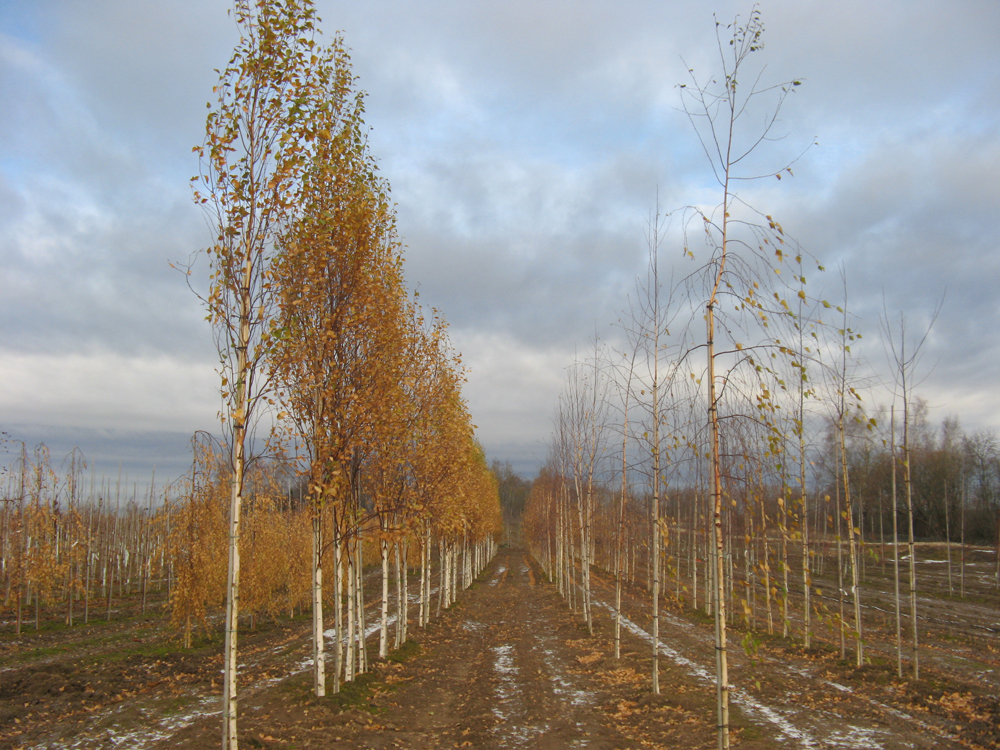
530,710
501,674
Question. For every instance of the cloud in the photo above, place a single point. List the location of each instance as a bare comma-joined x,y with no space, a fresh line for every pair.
526,144
511,388
106,389
76,274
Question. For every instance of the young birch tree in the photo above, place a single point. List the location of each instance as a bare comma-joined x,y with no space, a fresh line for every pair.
647,325
251,165
337,341
846,397
903,365
743,246
584,417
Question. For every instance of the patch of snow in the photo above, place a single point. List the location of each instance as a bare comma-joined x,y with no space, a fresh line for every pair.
563,686
856,737
504,661
512,733
136,739
744,699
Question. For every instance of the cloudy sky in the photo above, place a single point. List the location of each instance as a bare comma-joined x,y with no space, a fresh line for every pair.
526,144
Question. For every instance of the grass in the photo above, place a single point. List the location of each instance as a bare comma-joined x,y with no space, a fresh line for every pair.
358,693
404,653
361,692
699,615
38,653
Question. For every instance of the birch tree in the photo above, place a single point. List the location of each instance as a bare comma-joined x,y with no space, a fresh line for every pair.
584,418
338,338
742,247
904,362
845,397
251,167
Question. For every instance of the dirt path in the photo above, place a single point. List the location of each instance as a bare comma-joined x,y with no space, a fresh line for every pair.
508,666
503,671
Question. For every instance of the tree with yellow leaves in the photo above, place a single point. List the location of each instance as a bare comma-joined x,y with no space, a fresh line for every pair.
339,337
255,151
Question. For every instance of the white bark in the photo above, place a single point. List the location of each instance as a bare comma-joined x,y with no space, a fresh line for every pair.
383,637
338,588
319,654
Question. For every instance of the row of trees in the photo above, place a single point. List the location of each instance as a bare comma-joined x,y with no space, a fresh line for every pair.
798,549
76,545
345,435
76,548
724,429
318,336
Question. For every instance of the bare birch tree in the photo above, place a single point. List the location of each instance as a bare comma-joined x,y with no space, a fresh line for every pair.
742,246
904,364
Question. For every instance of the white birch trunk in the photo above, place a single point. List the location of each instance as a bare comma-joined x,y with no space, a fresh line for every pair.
442,576
404,615
383,637
229,740
319,654
399,601
349,661
338,588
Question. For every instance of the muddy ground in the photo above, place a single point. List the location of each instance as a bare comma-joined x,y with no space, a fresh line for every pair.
508,666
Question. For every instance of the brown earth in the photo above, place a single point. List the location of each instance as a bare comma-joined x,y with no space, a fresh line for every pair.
508,666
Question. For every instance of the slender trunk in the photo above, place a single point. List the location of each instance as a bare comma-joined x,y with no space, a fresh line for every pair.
441,576
621,529
232,603
426,574
695,542
855,591
947,534
338,617
881,532
766,567
912,547
721,659
238,415
360,591
454,573
319,654
783,511
654,544
383,636
111,588
963,498
86,580
349,659
404,609
581,512
840,569
895,550
400,601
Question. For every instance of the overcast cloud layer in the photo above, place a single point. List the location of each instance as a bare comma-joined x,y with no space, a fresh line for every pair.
526,143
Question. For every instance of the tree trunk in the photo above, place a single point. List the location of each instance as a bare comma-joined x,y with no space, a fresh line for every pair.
229,739
319,654
383,636
721,660
338,617
895,550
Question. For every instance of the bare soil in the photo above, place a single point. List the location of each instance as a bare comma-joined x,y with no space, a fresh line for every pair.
508,666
